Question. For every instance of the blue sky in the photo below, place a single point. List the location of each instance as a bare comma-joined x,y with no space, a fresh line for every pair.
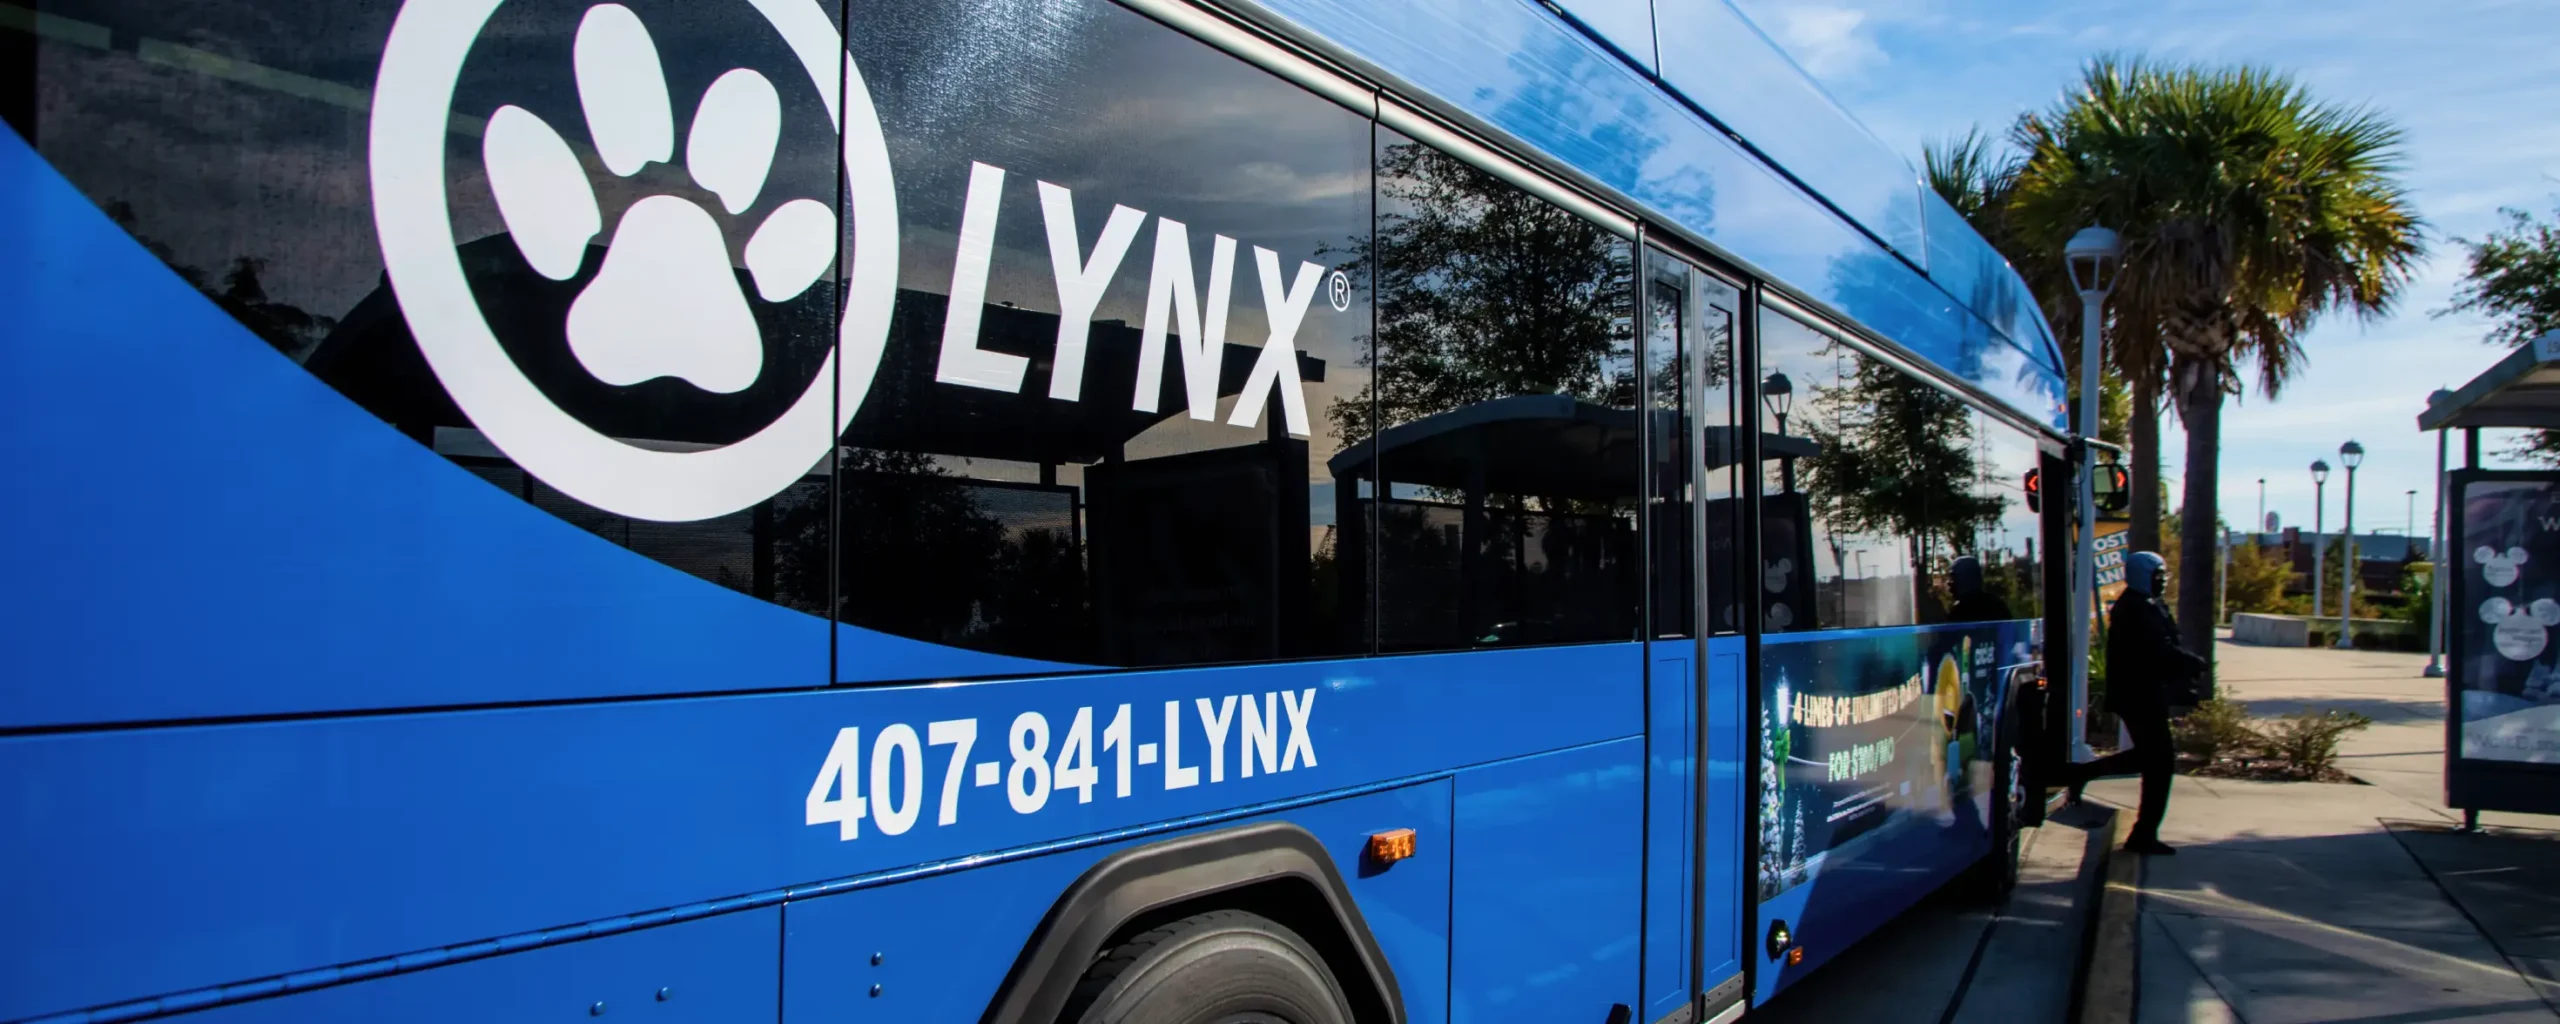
2474,83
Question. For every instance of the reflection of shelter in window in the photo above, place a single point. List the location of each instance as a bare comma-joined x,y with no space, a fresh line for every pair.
1787,579
1505,522
1198,556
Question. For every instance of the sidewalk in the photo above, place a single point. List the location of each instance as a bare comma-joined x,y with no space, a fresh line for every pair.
2361,903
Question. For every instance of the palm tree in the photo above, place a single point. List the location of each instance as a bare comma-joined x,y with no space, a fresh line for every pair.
1980,179
2249,210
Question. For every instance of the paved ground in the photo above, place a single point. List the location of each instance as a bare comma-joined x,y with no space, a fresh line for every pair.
2361,903
1951,961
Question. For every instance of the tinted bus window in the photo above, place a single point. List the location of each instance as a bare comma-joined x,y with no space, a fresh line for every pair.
2008,545
1506,389
232,140
1688,353
1875,488
1125,347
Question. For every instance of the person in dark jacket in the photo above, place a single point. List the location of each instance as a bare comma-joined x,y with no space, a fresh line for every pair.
1973,604
2147,673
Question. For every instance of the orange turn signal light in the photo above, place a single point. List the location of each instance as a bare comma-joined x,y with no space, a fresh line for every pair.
1795,956
1389,847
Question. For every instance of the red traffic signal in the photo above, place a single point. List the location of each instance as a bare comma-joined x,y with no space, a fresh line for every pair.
2114,490
2035,490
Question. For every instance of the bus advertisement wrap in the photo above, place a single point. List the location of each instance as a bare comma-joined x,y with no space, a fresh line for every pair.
1862,734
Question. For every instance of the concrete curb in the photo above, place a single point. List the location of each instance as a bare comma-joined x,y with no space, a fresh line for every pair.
2113,951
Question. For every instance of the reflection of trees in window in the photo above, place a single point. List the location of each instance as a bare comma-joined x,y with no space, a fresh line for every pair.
1484,291
1505,384
291,329
936,556
1897,459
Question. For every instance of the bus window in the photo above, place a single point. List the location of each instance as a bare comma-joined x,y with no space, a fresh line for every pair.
2008,544
1083,444
1688,352
1506,389
1871,485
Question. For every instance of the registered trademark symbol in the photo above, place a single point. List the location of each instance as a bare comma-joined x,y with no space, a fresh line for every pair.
1341,291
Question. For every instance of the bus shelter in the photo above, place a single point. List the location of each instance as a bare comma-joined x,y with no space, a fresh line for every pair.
2499,592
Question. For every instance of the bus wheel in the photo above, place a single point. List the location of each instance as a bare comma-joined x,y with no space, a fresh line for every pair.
1992,877
1225,965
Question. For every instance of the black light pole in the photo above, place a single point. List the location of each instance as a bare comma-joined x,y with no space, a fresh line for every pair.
2352,455
1778,393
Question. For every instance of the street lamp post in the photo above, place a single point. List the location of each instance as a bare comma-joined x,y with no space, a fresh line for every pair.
1778,393
2319,521
2352,455
2091,256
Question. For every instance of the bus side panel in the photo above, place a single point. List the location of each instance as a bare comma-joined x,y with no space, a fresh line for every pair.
1544,905
944,943
1670,794
714,970
1881,739
1727,861
163,860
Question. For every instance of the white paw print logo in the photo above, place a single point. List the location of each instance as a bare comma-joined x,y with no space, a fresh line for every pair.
2499,568
666,302
2522,632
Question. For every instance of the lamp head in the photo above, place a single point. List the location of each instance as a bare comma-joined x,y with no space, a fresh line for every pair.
1778,392
2091,256
2352,454
2319,471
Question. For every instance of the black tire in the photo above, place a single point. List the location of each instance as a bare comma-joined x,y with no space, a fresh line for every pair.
1991,878
1221,967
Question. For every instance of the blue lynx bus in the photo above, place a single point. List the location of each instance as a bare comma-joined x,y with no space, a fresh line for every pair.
990,510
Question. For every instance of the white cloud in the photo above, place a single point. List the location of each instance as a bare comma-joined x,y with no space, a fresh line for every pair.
1831,42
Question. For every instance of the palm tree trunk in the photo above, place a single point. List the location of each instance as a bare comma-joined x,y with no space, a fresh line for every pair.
2199,395
2144,431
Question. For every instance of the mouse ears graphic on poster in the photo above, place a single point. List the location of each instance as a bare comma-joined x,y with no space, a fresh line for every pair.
2498,567
2522,631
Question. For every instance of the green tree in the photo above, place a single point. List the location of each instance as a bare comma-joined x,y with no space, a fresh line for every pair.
2256,580
1979,177
2418,595
2249,210
2514,280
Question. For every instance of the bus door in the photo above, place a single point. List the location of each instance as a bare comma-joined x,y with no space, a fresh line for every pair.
1694,697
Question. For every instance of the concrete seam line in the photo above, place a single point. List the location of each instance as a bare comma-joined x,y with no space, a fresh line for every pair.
2114,948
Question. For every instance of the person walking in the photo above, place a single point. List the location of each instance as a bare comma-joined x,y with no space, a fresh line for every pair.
1973,603
2147,674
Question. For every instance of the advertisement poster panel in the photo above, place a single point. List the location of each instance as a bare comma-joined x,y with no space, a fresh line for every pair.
2506,602
1871,738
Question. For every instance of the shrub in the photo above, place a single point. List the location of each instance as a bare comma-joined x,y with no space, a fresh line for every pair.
2306,742
2215,728
2256,581
2417,587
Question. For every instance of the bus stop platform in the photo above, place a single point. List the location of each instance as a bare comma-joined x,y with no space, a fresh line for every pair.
2299,901
1949,960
